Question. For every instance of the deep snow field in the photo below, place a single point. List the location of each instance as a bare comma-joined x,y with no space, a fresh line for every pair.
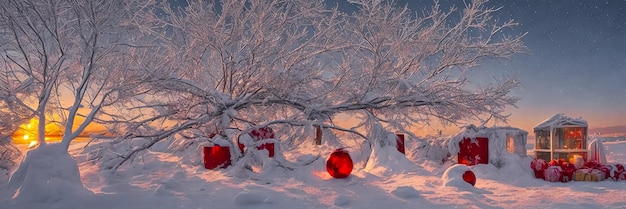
161,180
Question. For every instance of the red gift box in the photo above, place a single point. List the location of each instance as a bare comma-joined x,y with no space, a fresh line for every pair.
216,157
473,151
539,166
552,174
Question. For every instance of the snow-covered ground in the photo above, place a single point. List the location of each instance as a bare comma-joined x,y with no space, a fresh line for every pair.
160,180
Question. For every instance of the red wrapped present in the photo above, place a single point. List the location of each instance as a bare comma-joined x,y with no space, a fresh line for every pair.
587,174
552,174
581,174
539,166
567,172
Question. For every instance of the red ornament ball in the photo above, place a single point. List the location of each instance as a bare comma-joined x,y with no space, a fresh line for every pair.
339,164
469,177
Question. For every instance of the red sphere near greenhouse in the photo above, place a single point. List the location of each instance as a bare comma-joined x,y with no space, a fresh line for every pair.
469,177
339,164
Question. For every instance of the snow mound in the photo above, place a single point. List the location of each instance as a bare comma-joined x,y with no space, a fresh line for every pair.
453,177
48,174
405,192
386,160
341,200
248,197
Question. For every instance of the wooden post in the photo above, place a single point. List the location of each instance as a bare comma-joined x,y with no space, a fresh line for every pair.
318,135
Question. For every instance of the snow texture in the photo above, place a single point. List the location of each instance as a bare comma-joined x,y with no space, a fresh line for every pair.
405,192
162,180
251,198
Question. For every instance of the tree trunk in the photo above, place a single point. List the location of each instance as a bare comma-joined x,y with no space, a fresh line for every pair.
318,135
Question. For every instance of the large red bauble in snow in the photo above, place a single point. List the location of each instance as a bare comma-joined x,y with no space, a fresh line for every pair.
469,177
339,164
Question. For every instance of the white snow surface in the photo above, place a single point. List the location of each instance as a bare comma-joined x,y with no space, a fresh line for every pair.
162,180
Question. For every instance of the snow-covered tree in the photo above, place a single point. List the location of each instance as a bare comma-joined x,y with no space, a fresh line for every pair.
296,64
65,61
237,65
407,69
12,114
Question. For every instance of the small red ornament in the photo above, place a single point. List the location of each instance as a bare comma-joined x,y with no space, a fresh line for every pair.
339,164
469,177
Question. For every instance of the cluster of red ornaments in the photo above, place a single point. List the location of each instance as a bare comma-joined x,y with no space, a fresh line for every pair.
559,170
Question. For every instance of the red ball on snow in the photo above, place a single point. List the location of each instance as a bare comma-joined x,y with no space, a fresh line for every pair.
339,164
469,177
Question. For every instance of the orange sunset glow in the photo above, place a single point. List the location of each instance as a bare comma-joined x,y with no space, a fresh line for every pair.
27,133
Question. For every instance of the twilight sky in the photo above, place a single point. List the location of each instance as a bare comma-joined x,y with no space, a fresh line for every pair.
577,64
